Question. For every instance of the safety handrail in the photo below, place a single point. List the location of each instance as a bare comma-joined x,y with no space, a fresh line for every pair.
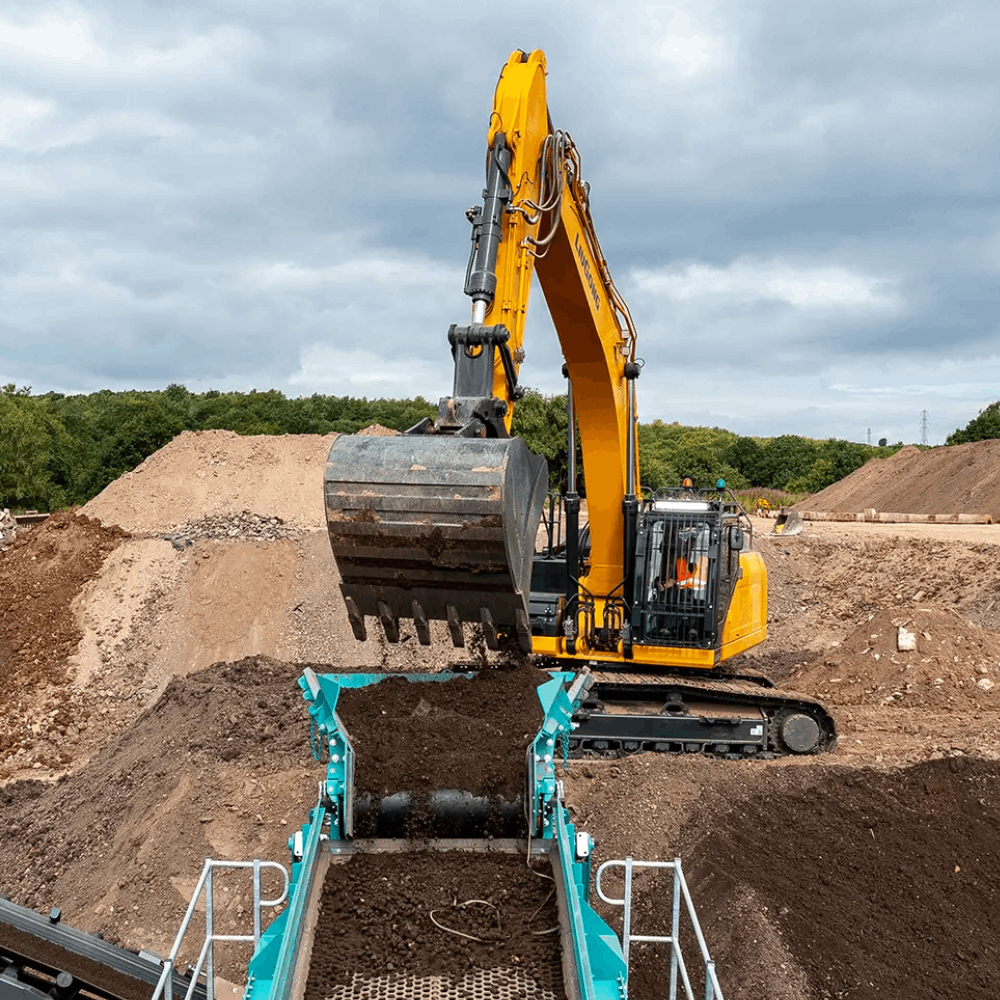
165,986
680,891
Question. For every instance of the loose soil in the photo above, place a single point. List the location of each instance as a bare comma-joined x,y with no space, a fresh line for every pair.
878,883
956,479
42,574
468,735
441,915
173,632
220,766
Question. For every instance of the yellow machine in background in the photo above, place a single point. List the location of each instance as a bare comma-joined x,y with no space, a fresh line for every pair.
441,523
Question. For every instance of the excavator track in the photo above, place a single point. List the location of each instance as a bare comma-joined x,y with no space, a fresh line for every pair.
733,718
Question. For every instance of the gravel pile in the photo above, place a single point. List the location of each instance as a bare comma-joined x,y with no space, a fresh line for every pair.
244,526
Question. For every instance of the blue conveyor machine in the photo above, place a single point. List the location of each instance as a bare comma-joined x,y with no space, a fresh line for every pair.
593,967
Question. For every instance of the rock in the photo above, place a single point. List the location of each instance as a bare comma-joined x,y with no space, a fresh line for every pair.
8,528
242,526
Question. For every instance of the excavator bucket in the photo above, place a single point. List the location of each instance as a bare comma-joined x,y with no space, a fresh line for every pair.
788,522
435,527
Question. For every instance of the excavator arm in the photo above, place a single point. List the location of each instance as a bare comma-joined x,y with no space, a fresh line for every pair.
440,523
546,226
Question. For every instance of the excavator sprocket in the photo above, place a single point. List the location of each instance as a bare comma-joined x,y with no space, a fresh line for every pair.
435,527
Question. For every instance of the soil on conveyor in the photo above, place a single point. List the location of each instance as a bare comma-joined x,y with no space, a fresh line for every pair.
466,734
188,738
428,915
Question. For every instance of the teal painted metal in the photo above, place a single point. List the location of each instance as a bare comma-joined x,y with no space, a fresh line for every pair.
601,969
560,698
597,954
269,975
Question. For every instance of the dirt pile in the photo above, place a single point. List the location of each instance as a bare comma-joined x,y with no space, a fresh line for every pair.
954,479
874,884
820,586
377,430
208,473
220,766
186,592
42,575
917,658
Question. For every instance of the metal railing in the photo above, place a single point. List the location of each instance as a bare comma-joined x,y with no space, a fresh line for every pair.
680,892
206,959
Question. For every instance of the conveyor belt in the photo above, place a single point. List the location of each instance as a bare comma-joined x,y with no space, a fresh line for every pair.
41,956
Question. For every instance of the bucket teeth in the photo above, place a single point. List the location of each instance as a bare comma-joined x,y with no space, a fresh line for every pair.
422,625
455,627
489,629
446,522
357,620
523,631
389,622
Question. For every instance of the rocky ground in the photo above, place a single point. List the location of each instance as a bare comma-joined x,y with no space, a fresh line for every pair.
151,719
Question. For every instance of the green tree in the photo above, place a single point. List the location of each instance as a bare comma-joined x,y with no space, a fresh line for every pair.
985,425
543,422
131,428
783,458
746,454
668,452
30,439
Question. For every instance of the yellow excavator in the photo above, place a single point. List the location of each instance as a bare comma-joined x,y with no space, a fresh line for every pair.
653,593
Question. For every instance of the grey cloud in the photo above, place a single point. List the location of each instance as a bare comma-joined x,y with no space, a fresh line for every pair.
157,170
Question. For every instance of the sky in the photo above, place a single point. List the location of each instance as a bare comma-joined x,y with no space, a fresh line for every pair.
799,202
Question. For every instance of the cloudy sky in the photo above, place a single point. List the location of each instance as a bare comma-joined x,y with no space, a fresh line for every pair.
798,201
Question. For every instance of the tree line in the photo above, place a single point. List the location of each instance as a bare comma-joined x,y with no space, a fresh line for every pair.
59,451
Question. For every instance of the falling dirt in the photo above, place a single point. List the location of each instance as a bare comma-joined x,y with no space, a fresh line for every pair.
470,735
162,724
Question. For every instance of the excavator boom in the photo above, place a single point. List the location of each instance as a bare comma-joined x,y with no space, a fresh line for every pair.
439,523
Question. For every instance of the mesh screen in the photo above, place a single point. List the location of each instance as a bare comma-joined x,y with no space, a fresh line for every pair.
478,984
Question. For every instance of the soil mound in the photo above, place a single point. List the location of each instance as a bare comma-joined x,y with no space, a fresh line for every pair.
377,430
41,576
912,658
876,883
210,473
220,766
953,479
